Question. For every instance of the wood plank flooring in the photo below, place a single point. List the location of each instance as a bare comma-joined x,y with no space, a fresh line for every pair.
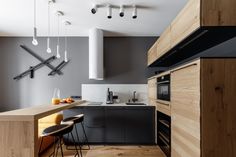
115,151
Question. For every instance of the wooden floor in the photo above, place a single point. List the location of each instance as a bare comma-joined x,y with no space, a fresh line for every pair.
115,151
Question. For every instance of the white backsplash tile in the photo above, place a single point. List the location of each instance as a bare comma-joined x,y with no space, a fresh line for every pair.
98,92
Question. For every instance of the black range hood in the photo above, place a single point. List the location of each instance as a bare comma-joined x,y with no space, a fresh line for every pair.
198,41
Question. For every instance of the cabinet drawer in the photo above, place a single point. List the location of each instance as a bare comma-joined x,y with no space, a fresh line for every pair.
187,21
163,107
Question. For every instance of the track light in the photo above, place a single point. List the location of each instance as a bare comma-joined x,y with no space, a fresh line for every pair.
94,9
134,15
122,11
109,12
35,41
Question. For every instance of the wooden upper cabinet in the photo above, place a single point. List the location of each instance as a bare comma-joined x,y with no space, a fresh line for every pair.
186,22
152,54
199,21
164,42
218,12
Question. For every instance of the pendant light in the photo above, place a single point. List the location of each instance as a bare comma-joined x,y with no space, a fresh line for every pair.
67,23
35,41
48,39
59,14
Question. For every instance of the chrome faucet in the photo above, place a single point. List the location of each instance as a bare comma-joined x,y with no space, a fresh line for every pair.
134,99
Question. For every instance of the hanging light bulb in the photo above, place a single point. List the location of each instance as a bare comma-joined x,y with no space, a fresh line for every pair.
66,54
59,13
35,41
48,39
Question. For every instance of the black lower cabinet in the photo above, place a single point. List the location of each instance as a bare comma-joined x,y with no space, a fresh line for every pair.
115,124
94,124
139,125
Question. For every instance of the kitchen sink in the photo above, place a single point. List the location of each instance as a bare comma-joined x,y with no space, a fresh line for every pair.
134,103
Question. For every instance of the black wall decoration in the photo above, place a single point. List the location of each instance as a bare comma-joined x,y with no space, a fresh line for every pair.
32,69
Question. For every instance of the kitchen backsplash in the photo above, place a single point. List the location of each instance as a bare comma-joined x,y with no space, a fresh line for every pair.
98,92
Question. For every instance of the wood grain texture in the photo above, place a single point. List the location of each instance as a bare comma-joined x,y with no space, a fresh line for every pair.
17,139
164,42
218,107
116,151
185,111
36,112
152,91
218,13
163,107
187,21
152,54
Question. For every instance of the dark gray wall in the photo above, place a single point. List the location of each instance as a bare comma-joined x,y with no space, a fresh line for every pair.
125,62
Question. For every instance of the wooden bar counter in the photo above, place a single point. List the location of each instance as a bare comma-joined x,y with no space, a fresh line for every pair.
19,129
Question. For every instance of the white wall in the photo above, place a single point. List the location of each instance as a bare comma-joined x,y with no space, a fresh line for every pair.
98,92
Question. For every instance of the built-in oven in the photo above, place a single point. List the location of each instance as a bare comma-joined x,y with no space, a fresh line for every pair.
163,87
164,133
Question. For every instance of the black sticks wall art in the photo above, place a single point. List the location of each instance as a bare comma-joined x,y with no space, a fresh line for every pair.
43,62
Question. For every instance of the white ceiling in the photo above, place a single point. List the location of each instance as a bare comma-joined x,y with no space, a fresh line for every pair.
16,17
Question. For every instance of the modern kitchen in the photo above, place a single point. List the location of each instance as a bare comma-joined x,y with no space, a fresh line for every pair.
118,78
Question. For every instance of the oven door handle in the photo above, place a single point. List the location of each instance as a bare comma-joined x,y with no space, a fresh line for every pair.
163,82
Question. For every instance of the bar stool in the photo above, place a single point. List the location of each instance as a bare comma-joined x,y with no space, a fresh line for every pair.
78,119
57,131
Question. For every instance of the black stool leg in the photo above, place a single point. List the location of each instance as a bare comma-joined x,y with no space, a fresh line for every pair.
82,124
79,143
61,146
75,144
40,145
58,145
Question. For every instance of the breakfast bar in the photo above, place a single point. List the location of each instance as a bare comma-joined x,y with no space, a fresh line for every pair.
19,129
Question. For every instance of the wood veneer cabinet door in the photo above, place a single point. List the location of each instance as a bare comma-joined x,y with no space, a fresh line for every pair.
152,91
187,21
164,42
152,55
185,111
218,13
218,107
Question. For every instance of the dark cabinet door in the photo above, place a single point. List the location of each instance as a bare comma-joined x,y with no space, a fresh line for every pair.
139,125
70,113
115,126
94,122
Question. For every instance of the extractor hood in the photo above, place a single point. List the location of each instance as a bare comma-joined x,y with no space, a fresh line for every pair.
96,66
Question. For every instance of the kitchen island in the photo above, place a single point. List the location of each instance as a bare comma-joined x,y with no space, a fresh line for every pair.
115,123
19,129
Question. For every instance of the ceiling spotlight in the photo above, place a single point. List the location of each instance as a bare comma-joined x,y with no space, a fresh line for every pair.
122,11
109,12
94,9
134,15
